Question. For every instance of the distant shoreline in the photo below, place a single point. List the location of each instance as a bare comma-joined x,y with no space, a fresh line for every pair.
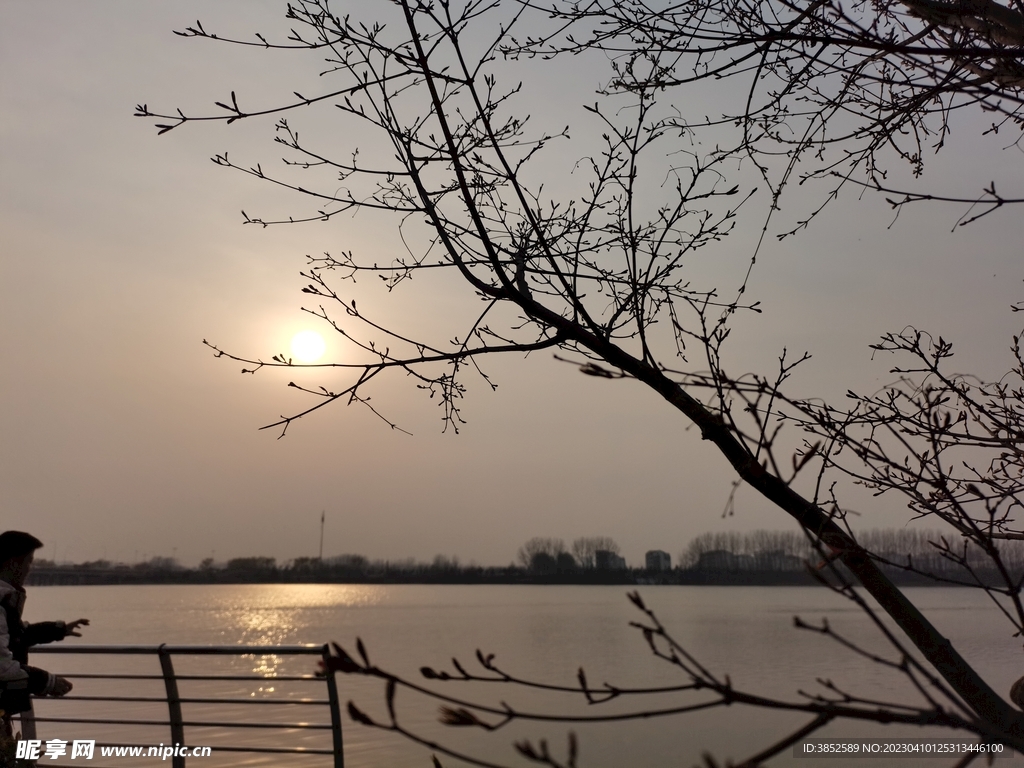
69,576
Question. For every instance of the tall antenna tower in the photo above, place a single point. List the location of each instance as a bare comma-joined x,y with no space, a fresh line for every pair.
323,515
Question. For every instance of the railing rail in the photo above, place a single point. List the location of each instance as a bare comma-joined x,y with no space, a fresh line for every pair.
176,721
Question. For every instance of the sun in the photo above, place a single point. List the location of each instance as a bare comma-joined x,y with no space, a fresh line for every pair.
308,346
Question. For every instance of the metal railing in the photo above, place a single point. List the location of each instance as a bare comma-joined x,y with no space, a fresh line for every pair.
176,721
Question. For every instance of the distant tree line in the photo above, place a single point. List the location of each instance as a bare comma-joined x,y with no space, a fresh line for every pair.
915,553
727,557
750,543
540,560
545,555
342,568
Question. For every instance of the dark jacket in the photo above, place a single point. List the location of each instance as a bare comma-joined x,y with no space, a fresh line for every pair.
17,679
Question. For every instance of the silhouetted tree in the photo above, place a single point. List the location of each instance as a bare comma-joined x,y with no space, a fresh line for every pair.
445,564
584,548
537,546
565,563
600,275
543,563
845,93
252,564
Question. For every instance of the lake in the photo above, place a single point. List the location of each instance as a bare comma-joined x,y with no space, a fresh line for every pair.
538,632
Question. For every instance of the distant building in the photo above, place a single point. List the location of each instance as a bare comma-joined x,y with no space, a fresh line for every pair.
608,561
657,560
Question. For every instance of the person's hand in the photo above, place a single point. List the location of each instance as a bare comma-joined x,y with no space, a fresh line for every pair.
71,628
61,687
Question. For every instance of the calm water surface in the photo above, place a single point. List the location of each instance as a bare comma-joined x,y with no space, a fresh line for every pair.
539,632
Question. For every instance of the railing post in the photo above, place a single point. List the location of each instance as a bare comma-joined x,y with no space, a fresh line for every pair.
28,722
332,695
173,705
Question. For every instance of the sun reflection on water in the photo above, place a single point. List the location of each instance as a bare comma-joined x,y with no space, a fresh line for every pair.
282,614
265,666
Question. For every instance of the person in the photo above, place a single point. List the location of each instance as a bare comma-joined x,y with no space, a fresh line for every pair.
18,680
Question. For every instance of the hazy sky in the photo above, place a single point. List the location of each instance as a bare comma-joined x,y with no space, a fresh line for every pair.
122,437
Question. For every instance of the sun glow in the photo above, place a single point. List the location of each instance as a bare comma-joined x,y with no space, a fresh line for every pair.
308,346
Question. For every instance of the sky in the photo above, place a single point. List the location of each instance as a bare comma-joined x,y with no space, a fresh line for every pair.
123,438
